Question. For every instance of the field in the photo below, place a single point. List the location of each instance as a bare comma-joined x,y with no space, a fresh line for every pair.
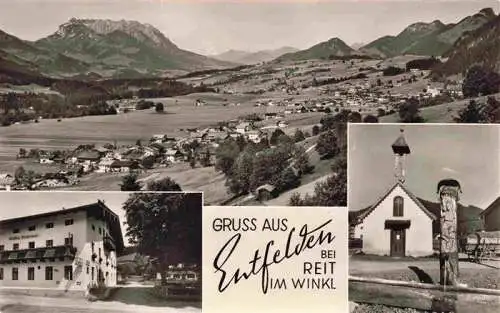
181,113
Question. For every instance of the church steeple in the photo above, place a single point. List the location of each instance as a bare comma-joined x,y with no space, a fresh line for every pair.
400,148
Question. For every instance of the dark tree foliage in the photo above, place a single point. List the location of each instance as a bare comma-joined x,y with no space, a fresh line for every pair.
355,117
370,119
298,136
275,136
315,130
409,112
480,81
165,226
226,154
159,107
327,145
422,64
476,112
129,183
393,71
164,184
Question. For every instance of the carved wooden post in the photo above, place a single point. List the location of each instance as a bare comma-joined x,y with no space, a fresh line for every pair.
448,253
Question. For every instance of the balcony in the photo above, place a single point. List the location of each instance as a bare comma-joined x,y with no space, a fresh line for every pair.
109,243
37,254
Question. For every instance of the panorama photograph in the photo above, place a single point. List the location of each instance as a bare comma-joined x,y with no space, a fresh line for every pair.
246,101
100,252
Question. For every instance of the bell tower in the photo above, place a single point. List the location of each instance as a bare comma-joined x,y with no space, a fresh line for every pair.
400,149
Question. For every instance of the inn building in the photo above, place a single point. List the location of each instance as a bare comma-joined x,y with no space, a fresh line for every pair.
68,249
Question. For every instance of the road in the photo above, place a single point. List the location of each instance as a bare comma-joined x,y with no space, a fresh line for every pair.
127,299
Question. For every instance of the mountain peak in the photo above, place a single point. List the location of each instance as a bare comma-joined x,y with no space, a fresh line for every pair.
487,12
140,31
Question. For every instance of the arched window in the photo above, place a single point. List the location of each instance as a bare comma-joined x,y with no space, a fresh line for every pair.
397,209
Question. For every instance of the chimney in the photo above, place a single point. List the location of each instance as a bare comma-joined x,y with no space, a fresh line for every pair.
400,148
448,190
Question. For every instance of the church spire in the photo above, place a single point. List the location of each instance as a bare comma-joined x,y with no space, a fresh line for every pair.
400,148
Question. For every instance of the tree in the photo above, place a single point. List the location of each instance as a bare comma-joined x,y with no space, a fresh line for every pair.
298,136
239,181
225,155
22,153
165,184
315,130
275,135
138,143
472,113
129,183
205,159
327,145
480,81
302,161
370,119
148,162
159,108
287,180
355,117
165,226
409,112
380,112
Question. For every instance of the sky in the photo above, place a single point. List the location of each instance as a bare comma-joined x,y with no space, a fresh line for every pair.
467,153
214,26
19,203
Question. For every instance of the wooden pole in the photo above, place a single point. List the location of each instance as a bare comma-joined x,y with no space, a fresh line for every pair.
448,253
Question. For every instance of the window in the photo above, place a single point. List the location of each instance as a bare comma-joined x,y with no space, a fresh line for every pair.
68,222
99,252
1,273
68,272
31,273
92,273
15,273
68,241
49,243
2,247
398,206
49,271
15,230
99,230
32,228
93,227
15,246
87,270
31,245
49,225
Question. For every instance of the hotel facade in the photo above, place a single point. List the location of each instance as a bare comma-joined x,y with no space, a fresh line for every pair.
68,249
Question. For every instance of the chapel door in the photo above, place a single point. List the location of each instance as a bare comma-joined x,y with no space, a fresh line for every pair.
398,242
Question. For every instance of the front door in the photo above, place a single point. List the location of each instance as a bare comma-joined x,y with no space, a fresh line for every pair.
398,242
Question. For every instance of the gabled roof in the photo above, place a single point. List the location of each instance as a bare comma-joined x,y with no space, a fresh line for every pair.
365,212
491,207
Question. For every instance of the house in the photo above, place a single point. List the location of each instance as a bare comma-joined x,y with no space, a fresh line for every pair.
266,192
88,156
174,155
123,166
255,135
104,166
6,181
67,249
491,216
243,127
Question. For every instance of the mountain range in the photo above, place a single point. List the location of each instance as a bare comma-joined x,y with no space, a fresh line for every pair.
105,48
433,39
481,46
89,49
245,57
